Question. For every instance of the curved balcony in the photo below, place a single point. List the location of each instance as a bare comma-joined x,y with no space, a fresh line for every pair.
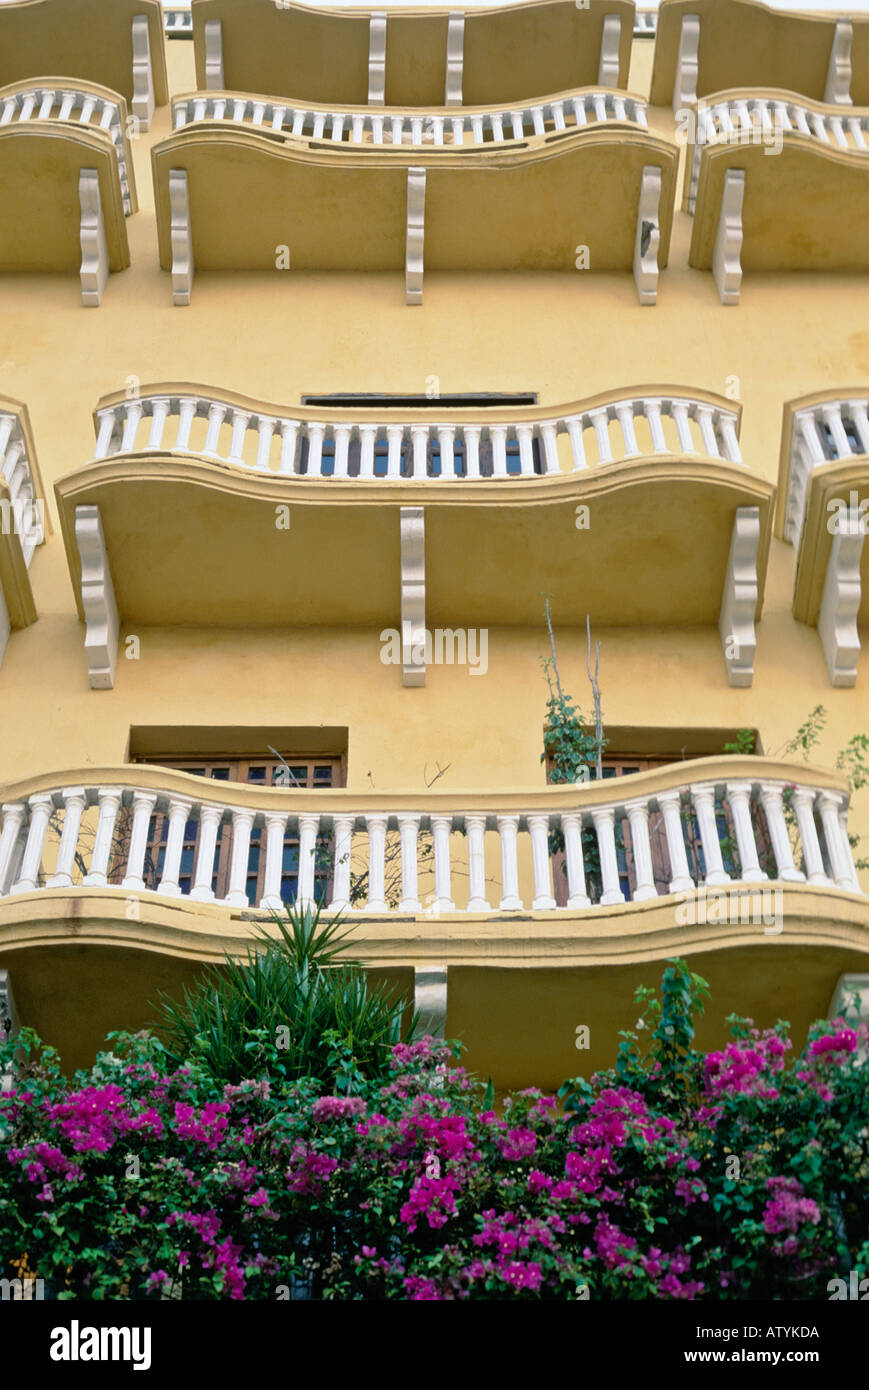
390,125
822,505
138,875
55,99
238,197
73,181
417,57
801,210
705,46
764,117
119,46
23,521
420,507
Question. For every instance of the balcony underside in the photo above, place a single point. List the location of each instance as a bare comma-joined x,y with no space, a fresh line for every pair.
319,55
523,206
191,542
804,208
81,967
747,43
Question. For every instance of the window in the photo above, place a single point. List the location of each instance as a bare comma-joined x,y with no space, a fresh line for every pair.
300,772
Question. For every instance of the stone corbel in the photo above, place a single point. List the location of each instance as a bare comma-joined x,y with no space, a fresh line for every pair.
98,599
687,63
142,105
726,265
455,58
739,601
214,56
181,237
413,264
412,522
611,33
648,237
377,58
92,234
838,89
430,999
840,604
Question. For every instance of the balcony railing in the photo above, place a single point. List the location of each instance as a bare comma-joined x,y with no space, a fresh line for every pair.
822,431
56,99
369,444
393,126
25,504
706,824
760,118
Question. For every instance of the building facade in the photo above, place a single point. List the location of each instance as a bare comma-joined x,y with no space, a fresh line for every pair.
335,344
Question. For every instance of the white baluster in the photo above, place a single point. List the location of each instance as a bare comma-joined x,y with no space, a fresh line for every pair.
242,824
109,801
579,111
670,803
498,436
131,426
771,800
571,828
337,127
368,439
508,828
803,802
66,105
319,124
159,416
458,127
180,809
477,129
707,431
45,107
265,430
558,115
289,432
858,415
625,415
604,824
10,840
298,122
738,795
846,846
638,817
440,828
538,828
652,412
143,806
537,120
727,426
240,421
525,437
573,425
830,804
275,833
342,833
394,436
549,435
108,420
358,129
408,829
209,821
186,415
396,125
216,417
497,125
315,449
419,434
475,828
308,829
41,807
833,420
376,826
471,434
600,420
517,124
342,450
598,101
679,411
446,444
704,805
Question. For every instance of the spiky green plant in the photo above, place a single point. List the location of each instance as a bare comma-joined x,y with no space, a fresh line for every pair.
296,1006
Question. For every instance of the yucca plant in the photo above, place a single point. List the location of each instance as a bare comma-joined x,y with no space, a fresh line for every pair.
294,1007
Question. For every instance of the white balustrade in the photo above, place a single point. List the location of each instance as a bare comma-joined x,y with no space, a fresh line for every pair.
768,120
357,126
615,847
824,432
77,106
23,511
267,441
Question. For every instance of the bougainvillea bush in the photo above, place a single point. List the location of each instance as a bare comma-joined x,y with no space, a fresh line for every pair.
737,1174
